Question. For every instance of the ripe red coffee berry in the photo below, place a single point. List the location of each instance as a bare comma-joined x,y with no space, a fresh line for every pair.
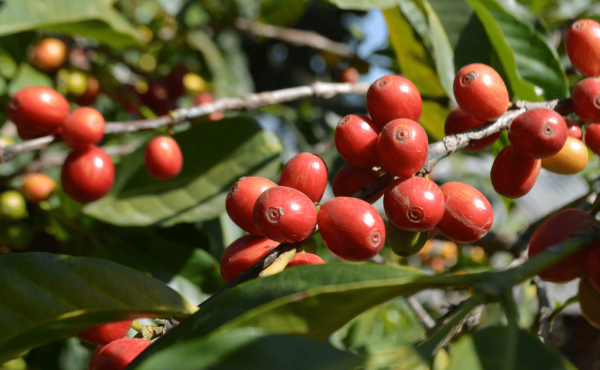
243,253
392,97
118,354
241,199
163,158
284,214
37,187
402,147
83,128
94,355
106,333
480,92
301,259
414,203
592,137
351,228
458,122
349,179
468,215
349,75
38,111
87,175
306,172
586,99
356,140
514,173
539,133
574,129
582,44
554,230
49,54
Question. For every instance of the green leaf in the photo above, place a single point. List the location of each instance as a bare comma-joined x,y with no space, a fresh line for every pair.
251,349
486,349
313,301
89,18
442,52
216,155
412,55
364,5
526,58
46,297
191,271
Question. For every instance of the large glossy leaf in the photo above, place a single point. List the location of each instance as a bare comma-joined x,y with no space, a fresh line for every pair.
413,59
46,297
442,51
364,4
487,350
251,349
526,58
216,155
310,300
185,267
91,18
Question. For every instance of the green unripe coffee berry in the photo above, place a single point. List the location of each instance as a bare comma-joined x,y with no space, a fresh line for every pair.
405,243
12,205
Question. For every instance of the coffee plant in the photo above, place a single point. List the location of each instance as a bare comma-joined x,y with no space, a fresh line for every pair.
263,185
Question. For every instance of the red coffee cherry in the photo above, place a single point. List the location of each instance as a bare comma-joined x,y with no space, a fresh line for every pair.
573,129
174,81
118,354
94,355
402,147
243,253
539,133
90,94
351,228
582,44
514,173
480,92
349,75
301,259
38,111
350,179
586,99
356,140
414,203
157,98
106,333
306,172
37,187
241,199
392,97
589,300
468,215
163,158
284,214
205,98
49,54
87,175
83,128
592,137
458,122
554,230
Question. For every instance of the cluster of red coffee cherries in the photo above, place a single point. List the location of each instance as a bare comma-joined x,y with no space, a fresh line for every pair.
88,172
115,351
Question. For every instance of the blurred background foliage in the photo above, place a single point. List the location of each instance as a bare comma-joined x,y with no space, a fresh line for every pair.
176,231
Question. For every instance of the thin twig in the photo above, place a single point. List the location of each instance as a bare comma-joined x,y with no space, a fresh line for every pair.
252,101
293,36
423,316
542,323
